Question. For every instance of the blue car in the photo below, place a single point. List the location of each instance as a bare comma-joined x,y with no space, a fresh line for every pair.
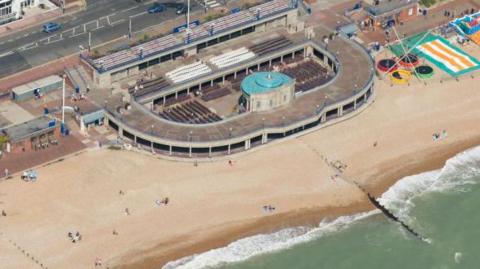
156,8
51,27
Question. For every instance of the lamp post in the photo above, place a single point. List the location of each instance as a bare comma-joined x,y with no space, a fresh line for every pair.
130,27
188,14
62,126
89,41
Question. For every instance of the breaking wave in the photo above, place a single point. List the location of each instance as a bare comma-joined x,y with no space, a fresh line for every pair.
457,174
246,248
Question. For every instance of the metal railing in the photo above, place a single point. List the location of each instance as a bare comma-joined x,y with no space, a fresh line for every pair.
265,127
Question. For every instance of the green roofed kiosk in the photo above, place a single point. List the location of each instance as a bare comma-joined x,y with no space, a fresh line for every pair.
264,91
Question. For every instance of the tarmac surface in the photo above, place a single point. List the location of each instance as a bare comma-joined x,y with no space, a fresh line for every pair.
105,19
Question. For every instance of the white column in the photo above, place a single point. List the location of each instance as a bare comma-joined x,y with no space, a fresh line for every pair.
63,100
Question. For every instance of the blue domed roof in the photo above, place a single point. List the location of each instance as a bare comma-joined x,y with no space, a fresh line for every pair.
261,82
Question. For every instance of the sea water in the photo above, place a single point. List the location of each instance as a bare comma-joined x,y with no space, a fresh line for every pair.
441,205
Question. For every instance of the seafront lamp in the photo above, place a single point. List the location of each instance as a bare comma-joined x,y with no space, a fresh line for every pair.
62,126
188,14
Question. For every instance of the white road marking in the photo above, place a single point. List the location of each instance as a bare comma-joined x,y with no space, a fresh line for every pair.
117,22
54,41
6,54
128,9
139,14
25,35
28,46
10,40
100,27
77,35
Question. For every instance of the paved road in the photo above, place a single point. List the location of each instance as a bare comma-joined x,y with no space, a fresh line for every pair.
105,19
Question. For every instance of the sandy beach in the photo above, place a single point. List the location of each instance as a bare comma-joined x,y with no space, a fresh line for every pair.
215,203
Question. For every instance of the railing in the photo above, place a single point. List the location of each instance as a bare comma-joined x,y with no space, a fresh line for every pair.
172,48
226,69
288,124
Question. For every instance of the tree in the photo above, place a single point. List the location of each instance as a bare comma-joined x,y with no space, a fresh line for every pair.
427,3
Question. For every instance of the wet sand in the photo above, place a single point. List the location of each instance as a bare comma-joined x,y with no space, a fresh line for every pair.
214,204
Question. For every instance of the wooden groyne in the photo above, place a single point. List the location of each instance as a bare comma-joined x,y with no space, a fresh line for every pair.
389,214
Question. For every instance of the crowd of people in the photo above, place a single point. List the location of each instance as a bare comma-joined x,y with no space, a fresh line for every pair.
74,237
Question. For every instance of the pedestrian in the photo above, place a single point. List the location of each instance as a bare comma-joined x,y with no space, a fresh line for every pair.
127,211
98,262
6,172
114,232
4,214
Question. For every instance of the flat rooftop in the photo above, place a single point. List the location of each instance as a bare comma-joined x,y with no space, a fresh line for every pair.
356,71
27,129
389,6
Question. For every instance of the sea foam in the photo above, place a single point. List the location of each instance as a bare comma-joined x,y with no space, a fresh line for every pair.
246,248
457,174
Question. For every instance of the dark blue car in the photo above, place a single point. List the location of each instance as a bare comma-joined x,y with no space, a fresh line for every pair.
156,8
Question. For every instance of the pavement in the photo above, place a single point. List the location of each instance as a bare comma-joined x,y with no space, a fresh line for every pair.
40,71
105,19
21,161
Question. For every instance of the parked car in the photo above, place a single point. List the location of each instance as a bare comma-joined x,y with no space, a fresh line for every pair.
182,9
156,8
51,27
172,4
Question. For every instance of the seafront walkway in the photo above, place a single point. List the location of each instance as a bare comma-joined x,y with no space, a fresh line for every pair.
18,162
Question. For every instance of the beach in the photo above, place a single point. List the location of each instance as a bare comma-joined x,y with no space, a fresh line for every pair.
214,203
